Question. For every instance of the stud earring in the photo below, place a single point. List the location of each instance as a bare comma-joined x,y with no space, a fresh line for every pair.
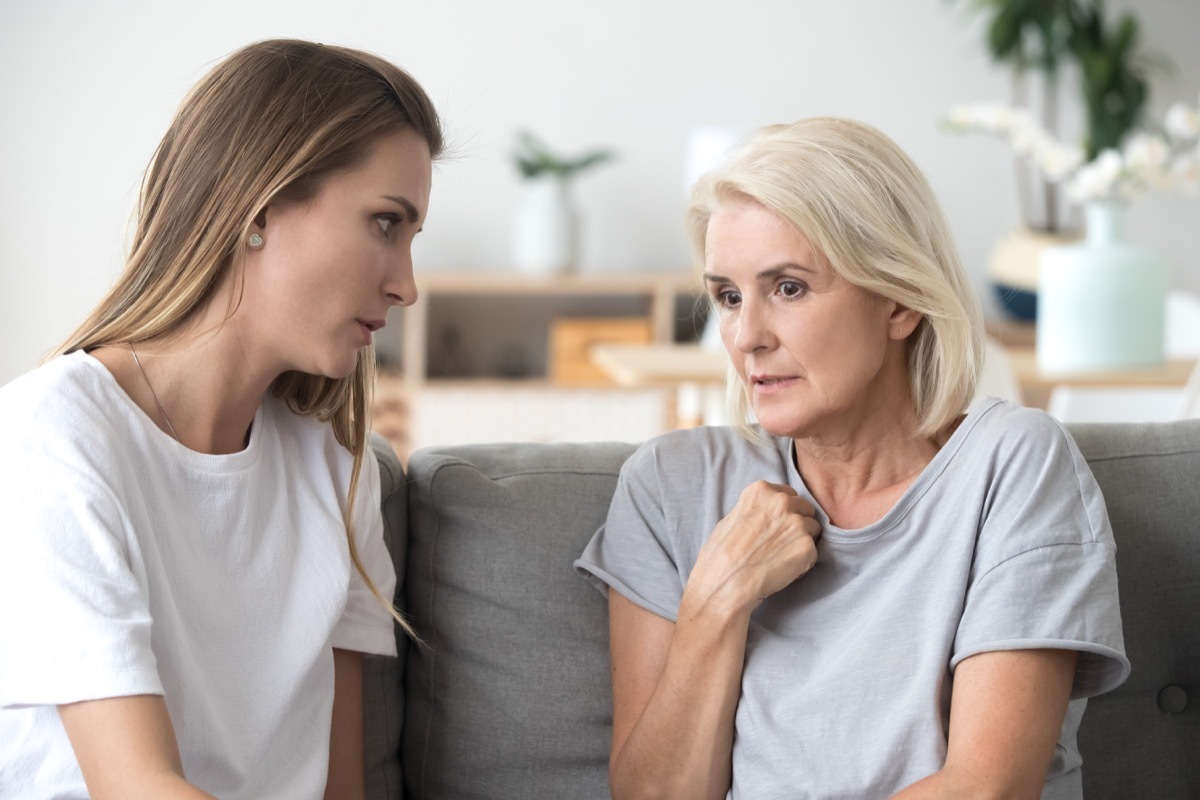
255,241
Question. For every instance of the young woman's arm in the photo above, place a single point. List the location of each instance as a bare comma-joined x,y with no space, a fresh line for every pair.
346,780
676,685
126,749
1006,713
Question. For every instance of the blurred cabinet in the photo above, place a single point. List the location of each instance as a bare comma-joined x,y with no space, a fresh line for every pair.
1037,385
500,326
503,357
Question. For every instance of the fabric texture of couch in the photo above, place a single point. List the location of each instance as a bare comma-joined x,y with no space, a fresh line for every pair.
508,695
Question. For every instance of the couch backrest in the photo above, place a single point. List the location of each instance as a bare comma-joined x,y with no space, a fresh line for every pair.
510,695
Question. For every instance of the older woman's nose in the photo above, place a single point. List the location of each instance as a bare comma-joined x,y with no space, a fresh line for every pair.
751,331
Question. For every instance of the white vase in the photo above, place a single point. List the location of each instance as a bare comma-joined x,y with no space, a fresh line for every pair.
1100,302
1013,269
545,228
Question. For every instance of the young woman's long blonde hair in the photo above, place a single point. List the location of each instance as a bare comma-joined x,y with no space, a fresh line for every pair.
270,123
868,210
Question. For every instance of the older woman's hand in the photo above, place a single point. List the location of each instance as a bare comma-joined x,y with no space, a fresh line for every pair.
676,684
765,543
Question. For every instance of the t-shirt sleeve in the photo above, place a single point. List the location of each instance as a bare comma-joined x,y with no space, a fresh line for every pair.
366,625
1044,574
632,552
74,617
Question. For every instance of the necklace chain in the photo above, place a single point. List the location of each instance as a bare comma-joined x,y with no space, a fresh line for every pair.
153,393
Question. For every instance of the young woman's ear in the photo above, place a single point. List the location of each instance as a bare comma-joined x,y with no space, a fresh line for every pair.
255,240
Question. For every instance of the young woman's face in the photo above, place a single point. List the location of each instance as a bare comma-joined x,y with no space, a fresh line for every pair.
331,267
814,351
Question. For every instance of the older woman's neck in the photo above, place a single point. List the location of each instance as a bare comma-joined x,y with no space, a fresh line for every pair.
859,473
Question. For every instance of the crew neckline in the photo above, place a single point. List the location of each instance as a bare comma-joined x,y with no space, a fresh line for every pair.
917,489
207,462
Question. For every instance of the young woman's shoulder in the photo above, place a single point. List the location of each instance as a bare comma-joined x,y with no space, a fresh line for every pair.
307,442
71,397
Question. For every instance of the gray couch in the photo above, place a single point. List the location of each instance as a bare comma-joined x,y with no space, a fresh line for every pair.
508,696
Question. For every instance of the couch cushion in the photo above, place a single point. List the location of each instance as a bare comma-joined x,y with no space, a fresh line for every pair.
383,676
509,697
1143,739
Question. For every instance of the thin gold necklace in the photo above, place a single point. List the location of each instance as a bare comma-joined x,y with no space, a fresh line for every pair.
153,393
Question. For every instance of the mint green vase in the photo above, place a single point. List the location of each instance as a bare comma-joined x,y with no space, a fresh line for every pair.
1100,302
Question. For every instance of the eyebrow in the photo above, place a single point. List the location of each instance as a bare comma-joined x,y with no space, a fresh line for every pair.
768,273
409,208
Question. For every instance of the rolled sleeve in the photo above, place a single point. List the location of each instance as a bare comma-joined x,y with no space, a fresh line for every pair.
1060,596
366,625
631,552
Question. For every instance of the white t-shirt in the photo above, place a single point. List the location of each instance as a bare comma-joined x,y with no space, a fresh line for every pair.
1001,543
130,564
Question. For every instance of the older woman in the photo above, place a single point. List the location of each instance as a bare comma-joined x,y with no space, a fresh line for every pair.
882,588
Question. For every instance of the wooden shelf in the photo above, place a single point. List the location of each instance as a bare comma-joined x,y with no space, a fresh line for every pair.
1036,384
392,382
665,365
489,312
659,292
661,364
486,283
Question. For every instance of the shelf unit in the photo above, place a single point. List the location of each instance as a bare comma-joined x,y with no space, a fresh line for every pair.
667,300
425,397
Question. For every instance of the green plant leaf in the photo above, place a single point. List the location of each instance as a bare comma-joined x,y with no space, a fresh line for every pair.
534,159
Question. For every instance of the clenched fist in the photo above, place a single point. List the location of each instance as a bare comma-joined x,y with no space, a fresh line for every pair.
767,541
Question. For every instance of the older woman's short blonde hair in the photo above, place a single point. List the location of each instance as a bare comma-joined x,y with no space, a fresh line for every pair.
867,209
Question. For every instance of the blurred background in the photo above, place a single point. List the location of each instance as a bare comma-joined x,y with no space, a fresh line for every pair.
88,89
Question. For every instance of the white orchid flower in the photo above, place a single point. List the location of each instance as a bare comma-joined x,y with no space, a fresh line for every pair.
1146,160
1182,122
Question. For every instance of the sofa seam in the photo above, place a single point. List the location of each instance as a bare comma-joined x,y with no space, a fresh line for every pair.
381,676
432,650
1128,456
534,473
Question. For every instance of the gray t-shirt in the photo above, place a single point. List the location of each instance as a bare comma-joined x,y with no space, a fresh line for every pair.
1001,543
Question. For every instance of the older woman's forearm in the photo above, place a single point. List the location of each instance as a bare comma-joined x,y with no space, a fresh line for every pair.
682,743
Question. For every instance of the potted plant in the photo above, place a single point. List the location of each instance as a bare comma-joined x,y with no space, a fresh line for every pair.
1100,303
1032,38
546,232
1037,39
1119,156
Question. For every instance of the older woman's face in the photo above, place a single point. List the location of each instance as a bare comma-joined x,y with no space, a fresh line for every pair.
817,354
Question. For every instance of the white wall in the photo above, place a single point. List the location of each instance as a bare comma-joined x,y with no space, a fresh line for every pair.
88,89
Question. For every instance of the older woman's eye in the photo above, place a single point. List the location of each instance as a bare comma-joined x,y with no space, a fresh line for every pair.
792,289
727,299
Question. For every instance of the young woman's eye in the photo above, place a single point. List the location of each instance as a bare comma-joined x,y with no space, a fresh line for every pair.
792,288
386,221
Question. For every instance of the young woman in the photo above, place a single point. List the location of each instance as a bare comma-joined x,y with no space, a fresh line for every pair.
880,589
193,560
